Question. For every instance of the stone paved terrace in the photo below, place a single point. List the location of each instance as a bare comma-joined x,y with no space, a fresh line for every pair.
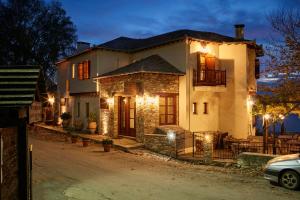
122,143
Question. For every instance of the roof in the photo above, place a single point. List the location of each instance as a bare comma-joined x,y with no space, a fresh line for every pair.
131,44
18,85
151,64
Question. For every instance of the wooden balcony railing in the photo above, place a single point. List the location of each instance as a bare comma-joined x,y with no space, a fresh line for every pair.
209,77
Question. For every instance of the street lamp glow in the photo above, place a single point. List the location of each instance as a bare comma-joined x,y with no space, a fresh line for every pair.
281,117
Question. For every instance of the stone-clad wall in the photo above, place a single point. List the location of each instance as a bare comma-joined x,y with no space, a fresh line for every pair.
9,187
160,144
146,90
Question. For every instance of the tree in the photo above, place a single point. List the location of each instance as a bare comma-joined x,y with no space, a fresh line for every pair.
283,60
35,32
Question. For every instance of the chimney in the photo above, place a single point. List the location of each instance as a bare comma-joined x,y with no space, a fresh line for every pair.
81,46
239,31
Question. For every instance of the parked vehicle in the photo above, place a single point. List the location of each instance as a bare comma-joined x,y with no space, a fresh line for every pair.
284,170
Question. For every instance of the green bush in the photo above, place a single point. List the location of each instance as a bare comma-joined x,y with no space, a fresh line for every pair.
92,117
65,116
107,141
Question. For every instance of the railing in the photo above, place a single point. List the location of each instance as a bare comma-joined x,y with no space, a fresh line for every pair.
209,77
212,144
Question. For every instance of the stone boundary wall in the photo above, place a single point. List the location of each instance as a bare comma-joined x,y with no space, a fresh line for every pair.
160,144
9,187
255,161
42,132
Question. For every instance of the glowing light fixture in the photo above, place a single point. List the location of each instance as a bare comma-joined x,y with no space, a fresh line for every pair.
267,116
281,116
51,100
171,135
110,101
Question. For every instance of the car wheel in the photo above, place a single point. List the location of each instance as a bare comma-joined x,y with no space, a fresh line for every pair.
290,180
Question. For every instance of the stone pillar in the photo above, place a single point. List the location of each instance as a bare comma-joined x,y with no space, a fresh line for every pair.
208,147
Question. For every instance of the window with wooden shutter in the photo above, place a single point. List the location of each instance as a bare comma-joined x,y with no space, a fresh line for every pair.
210,63
80,71
86,69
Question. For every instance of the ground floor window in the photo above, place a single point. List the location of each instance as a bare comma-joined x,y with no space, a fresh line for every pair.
167,109
78,109
87,109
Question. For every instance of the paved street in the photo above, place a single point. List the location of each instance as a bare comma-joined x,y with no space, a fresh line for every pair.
67,171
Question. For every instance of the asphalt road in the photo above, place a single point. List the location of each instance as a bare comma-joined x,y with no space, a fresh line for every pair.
65,171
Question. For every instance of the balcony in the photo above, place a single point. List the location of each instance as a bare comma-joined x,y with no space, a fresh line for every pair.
209,77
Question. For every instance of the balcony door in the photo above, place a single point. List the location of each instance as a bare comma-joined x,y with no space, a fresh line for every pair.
127,115
210,74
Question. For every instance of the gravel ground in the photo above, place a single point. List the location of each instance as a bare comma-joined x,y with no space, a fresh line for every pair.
67,171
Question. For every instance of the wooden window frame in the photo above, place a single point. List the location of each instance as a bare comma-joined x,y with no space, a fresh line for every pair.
84,70
205,107
166,96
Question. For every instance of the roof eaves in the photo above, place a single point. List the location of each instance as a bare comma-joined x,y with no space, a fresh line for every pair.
137,72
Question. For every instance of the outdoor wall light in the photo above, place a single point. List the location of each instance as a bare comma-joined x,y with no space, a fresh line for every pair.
207,137
110,101
139,100
51,100
152,100
171,135
267,116
281,116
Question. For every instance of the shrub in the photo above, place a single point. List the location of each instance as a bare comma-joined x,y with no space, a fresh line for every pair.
107,141
92,117
65,116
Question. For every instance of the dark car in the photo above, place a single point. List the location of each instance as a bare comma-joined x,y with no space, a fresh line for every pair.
284,170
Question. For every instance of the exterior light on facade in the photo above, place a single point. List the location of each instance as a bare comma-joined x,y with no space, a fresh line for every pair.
152,100
250,102
51,100
171,135
110,101
139,100
267,116
207,137
281,116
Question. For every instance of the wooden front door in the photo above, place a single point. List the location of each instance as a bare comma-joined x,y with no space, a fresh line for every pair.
127,115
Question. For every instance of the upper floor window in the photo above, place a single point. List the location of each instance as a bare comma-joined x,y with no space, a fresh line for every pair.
73,71
84,70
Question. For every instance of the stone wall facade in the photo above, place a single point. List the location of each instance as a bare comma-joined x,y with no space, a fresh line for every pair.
145,88
161,144
9,186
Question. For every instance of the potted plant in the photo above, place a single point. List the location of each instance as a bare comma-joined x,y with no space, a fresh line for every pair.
66,119
92,126
78,124
85,142
74,138
107,143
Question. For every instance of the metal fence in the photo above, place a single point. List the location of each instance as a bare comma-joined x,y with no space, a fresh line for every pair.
196,144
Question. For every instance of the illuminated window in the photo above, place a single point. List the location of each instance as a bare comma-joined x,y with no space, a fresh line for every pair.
80,71
84,70
167,109
73,71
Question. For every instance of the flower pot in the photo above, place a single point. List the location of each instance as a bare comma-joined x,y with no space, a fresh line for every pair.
106,147
92,127
74,139
85,142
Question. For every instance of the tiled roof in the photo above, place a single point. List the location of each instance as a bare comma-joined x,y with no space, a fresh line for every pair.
151,64
18,85
131,44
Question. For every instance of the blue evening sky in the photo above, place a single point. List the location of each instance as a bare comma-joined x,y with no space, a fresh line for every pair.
98,21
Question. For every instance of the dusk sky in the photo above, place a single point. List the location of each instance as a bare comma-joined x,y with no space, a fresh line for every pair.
98,21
